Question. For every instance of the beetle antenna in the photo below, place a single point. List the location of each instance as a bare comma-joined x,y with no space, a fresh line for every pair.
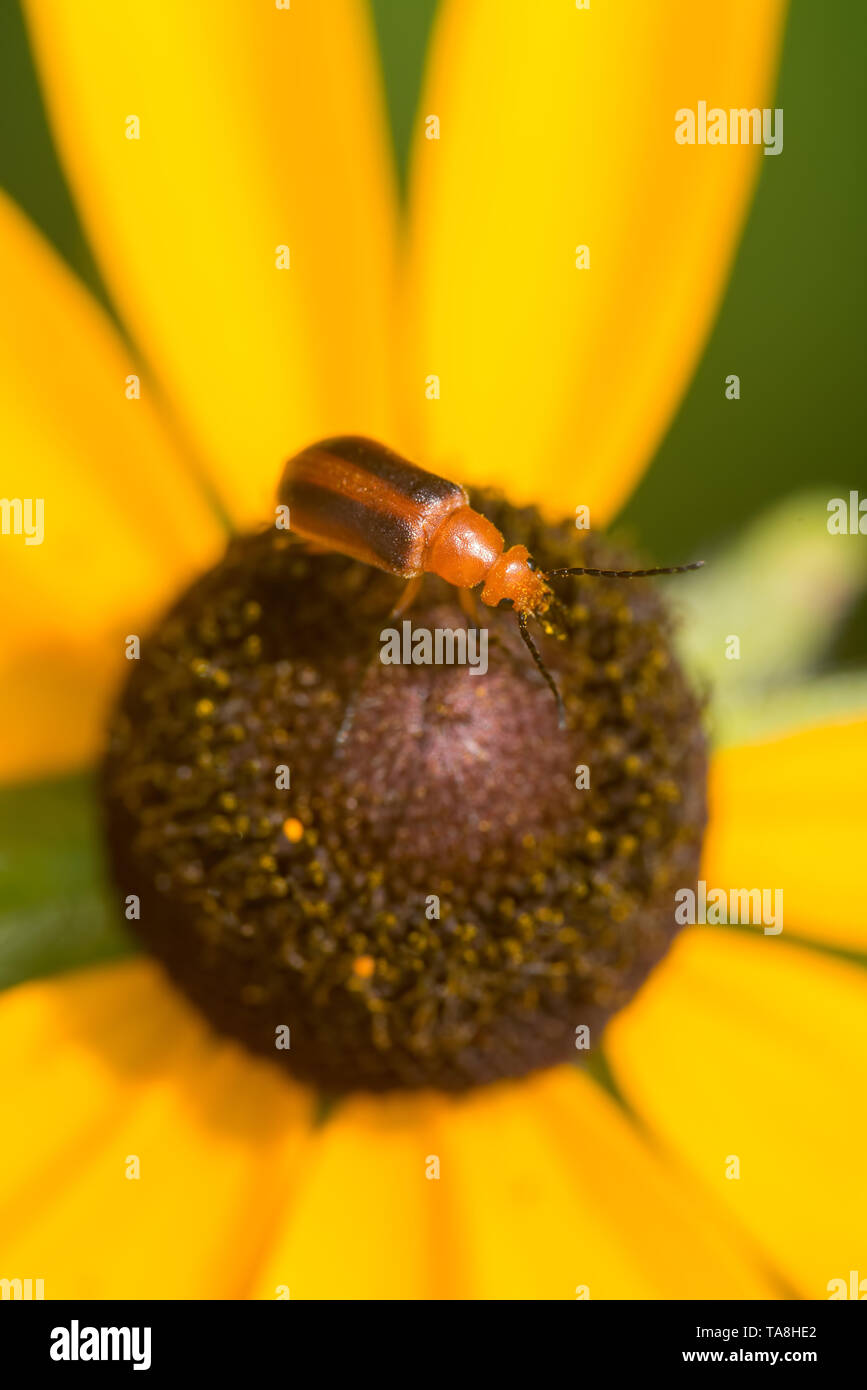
624,574
549,679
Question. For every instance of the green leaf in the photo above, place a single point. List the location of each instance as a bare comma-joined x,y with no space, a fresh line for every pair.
55,908
781,589
772,714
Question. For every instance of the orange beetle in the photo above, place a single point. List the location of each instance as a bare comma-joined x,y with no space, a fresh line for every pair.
358,498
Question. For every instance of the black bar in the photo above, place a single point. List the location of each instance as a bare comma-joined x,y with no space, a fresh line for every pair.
229,1338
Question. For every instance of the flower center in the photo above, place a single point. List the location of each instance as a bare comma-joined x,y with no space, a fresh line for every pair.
404,875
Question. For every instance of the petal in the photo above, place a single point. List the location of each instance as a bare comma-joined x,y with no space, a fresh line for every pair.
557,130
543,1187
123,523
111,1065
790,813
259,128
748,1047
364,1219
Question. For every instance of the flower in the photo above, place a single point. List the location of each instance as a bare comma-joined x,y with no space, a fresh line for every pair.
260,130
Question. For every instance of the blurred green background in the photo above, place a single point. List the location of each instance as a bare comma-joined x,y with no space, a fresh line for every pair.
790,325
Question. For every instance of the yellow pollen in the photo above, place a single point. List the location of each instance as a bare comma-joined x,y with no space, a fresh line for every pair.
293,830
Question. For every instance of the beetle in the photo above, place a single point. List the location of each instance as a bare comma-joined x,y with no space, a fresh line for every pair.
359,498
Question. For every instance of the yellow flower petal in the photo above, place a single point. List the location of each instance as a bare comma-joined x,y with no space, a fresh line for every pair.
364,1221
791,813
749,1048
111,1067
259,128
557,130
543,1187
123,524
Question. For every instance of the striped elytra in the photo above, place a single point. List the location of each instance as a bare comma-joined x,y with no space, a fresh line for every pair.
361,499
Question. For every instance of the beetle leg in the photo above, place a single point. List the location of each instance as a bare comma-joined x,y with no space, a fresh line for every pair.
408,597
469,607
308,547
